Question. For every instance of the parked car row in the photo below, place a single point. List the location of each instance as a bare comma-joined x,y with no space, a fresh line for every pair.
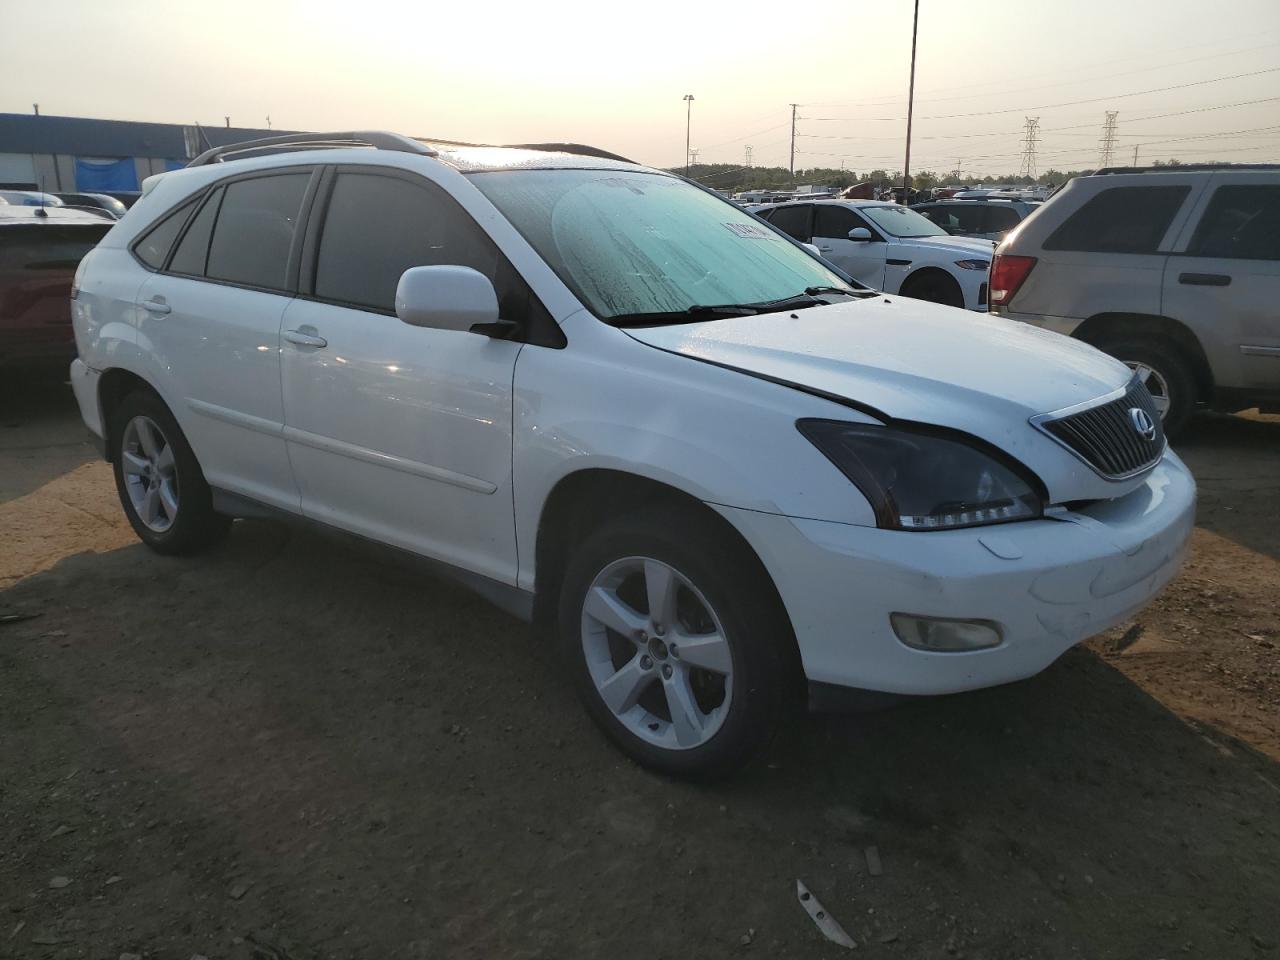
727,475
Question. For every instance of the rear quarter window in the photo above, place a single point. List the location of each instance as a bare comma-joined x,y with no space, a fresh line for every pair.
1120,220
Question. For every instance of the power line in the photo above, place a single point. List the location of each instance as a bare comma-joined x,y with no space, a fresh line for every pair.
1050,106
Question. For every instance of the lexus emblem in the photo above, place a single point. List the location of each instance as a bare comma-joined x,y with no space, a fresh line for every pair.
1142,423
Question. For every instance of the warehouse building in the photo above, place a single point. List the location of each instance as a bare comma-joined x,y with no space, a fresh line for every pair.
80,154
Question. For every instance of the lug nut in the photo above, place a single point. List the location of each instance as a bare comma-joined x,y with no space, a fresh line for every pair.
673,650
666,670
659,629
646,662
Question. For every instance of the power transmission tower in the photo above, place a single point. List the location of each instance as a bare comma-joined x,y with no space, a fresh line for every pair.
955,174
793,138
1029,141
693,156
748,155
1107,145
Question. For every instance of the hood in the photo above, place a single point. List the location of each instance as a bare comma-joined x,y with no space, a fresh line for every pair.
917,361
967,245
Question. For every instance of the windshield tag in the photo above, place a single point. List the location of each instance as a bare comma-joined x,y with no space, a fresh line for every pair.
748,231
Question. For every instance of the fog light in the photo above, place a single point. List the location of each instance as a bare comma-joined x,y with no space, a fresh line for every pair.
944,636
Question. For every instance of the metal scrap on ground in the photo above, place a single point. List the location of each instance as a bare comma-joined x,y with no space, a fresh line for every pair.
829,926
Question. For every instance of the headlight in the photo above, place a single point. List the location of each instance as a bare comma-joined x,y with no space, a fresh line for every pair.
921,480
973,264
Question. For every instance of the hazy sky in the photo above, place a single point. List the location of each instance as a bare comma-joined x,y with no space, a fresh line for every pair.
614,75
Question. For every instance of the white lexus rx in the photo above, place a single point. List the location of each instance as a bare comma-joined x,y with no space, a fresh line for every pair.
728,474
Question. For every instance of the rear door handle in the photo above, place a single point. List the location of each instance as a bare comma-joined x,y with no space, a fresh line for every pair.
156,305
1204,279
305,339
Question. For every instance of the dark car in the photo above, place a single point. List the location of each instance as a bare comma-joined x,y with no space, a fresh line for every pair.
39,252
987,219
95,201
127,197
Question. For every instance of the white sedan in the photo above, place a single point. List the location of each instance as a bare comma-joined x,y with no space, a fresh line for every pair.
890,247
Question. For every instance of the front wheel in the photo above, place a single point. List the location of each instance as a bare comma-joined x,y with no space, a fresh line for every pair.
936,287
1165,373
680,654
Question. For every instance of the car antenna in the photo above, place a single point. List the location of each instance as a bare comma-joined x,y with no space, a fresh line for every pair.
40,210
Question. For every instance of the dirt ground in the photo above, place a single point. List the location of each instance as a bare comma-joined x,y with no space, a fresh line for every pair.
293,749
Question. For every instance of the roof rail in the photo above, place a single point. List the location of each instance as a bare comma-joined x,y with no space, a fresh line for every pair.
377,139
1188,168
581,149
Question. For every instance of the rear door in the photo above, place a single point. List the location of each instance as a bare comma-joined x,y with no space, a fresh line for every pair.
795,220
864,260
401,434
1224,280
210,319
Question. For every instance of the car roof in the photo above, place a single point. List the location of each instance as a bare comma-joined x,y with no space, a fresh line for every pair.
17,214
477,159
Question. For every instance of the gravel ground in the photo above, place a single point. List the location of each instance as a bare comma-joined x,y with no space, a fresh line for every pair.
293,749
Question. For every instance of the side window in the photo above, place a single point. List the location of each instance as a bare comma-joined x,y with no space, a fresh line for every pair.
155,243
377,227
192,254
254,230
1120,220
793,221
1000,219
834,222
1241,223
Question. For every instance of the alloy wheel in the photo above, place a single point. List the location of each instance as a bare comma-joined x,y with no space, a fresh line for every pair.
657,653
150,473
1155,383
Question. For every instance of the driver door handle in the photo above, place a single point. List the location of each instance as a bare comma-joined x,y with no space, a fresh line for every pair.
156,305
1205,279
305,339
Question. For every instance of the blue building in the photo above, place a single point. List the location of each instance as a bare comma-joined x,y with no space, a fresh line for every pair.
81,154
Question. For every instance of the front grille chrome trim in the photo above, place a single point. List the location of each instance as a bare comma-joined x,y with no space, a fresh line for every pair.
1096,433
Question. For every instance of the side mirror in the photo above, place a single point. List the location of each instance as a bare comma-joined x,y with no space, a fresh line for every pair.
860,233
812,248
446,298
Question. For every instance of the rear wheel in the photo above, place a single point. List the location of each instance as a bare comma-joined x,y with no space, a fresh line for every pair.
680,654
159,480
1166,374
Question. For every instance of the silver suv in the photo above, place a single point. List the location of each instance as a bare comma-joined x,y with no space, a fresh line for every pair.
1175,271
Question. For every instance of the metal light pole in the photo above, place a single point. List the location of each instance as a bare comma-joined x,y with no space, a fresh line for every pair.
911,100
688,123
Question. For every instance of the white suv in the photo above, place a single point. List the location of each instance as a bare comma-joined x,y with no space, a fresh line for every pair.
606,397
890,247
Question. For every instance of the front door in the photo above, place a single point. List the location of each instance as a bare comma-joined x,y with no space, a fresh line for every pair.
399,433
1224,280
864,260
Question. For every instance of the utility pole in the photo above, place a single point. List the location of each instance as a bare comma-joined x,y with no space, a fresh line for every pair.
793,139
36,107
1031,128
688,124
1135,153
228,119
747,158
1107,145
911,102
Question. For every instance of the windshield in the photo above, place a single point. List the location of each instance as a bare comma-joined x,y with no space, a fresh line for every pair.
631,243
902,222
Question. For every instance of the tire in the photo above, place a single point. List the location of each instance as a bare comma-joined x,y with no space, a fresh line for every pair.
1169,377
734,695
159,480
936,288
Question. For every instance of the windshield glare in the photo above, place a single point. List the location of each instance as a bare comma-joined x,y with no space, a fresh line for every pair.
902,222
629,242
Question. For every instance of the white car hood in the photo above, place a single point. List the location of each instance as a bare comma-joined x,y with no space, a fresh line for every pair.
916,361
965,246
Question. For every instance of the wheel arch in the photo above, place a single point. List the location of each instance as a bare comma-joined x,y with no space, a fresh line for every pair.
1103,327
581,500
114,385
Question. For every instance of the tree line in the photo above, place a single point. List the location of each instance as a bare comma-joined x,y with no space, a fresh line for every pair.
728,178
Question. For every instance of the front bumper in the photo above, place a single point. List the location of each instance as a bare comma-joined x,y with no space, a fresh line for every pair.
1048,583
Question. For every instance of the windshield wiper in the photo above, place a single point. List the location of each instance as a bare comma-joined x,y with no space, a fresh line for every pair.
699,311
843,291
